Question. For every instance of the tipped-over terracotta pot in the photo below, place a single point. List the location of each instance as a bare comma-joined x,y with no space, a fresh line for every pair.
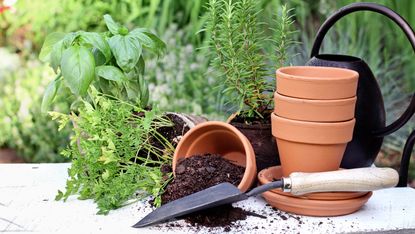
310,146
317,82
219,138
314,110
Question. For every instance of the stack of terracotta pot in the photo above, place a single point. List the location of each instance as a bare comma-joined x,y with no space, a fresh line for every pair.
313,119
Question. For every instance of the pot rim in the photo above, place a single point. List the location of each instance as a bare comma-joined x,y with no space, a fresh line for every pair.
331,102
250,167
346,76
339,124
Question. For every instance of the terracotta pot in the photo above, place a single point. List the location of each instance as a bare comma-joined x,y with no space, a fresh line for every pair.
314,110
219,138
312,207
263,143
310,146
317,82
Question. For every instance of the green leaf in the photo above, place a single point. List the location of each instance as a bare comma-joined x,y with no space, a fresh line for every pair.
144,93
141,66
78,69
56,56
47,47
70,38
98,57
110,73
97,41
50,94
149,40
133,90
112,26
127,51
59,196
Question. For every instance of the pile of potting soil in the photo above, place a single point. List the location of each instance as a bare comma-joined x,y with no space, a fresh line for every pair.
199,172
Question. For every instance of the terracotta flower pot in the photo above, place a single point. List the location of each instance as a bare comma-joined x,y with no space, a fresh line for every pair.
317,82
223,139
314,110
310,146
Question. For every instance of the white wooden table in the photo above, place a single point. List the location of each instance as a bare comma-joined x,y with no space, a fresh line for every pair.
27,204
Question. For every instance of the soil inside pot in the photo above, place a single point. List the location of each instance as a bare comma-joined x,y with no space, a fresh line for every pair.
259,133
199,172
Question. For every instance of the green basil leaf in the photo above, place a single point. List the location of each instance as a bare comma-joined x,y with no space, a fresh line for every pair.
149,40
133,90
112,26
141,66
48,44
50,94
144,93
98,57
78,69
110,73
126,50
97,41
56,56
69,39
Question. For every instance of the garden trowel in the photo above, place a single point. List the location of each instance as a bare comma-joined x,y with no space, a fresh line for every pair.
356,180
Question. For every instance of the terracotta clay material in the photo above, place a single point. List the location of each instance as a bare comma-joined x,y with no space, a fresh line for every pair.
310,146
275,173
220,138
314,110
321,83
312,207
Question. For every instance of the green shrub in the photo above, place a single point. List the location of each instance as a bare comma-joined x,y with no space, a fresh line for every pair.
22,126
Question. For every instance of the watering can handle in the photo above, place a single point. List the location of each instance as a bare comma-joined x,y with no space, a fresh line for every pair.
365,6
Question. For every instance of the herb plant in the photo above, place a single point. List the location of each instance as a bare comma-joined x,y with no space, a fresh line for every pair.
113,154
22,126
112,62
237,40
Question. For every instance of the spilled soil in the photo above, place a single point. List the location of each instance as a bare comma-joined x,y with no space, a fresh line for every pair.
199,172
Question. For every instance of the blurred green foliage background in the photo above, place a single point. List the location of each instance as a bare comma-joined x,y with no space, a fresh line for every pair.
182,81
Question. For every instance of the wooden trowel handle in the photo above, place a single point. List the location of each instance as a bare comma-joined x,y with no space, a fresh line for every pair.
359,179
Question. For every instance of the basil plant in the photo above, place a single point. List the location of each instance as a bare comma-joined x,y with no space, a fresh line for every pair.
111,61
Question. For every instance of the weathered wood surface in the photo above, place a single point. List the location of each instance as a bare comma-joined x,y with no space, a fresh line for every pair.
27,205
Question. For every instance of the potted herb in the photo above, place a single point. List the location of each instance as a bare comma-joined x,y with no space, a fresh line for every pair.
237,42
120,142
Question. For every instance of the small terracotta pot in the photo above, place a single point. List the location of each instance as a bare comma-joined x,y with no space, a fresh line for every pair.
310,146
317,82
314,110
219,138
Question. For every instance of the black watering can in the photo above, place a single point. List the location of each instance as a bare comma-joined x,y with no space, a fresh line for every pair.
370,112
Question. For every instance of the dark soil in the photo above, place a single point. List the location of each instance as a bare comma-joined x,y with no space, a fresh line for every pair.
259,133
173,133
199,172
253,120
221,216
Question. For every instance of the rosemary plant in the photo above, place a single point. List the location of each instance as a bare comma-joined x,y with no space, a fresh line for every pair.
237,42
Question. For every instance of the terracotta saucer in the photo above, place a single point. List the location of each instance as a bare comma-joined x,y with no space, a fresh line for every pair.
274,173
315,207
